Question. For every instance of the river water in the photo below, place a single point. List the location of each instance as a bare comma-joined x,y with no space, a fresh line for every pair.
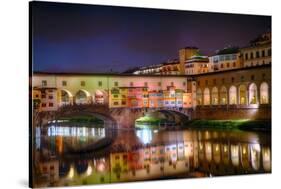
67,155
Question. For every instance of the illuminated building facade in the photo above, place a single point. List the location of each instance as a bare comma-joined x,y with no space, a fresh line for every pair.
225,59
116,91
258,52
171,67
245,86
197,64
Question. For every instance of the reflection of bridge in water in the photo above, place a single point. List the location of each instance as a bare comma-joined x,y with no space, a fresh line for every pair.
152,155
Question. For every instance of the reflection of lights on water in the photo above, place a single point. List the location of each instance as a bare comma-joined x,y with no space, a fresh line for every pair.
155,131
145,135
225,148
217,147
244,150
89,170
256,147
200,146
75,131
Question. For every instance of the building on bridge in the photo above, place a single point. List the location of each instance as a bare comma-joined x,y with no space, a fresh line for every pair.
243,87
114,90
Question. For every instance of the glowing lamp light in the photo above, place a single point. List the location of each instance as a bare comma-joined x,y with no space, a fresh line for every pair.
101,167
71,173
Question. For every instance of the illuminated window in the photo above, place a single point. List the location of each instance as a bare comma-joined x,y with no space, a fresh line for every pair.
253,93
206,96
64,83
264,93
242,94
232,95
44,83
82,83
215,96
223,95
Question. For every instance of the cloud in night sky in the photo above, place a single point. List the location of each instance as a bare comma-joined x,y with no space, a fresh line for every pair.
87,38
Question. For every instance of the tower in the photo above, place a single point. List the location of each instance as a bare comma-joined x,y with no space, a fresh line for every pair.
185,54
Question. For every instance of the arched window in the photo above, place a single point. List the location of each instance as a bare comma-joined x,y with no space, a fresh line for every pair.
242,94
223,96
232,95
81,97
199,96
264,97
253,93
206,96
215,96
65,97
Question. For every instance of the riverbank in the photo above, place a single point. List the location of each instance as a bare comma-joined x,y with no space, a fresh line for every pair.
242,124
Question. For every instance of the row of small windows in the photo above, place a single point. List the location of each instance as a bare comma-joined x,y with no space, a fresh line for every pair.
50,104
83,83
225,57
258,54
242,78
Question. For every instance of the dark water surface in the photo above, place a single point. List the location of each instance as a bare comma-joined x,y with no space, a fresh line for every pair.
77,155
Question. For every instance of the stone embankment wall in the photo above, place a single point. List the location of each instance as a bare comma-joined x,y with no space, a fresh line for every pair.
225,113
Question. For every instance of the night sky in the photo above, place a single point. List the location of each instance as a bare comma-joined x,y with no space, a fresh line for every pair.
88,38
